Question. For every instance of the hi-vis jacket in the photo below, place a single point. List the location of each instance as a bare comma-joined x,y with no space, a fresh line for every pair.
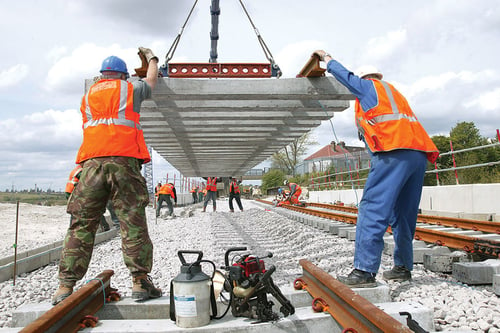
110,125
212,184
167,189
74,178
234,188
391,124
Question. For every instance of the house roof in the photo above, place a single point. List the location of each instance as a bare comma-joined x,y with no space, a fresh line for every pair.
332,150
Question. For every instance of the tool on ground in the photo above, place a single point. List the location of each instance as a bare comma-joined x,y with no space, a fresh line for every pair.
248,282
412,323
192,293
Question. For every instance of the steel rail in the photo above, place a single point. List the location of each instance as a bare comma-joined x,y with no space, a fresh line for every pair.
442,238
455,222
351,311
77,311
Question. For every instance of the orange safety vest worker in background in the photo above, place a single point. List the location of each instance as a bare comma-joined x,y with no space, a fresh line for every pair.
73,179
234,193
166,192
194,193
211,193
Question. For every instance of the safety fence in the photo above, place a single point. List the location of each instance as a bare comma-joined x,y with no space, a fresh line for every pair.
352,176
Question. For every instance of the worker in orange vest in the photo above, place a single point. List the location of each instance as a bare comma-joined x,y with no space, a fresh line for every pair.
211,193
167,193
234,193
295,191
194,193
112,153
399,148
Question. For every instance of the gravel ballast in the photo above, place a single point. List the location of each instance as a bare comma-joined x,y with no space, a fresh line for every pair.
456,306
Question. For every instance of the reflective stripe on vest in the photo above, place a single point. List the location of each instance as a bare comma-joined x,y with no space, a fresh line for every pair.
235,188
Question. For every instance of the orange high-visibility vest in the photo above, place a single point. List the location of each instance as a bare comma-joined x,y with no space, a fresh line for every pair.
212,184
110,125
234,187
74,178
193,190
392,124
167,189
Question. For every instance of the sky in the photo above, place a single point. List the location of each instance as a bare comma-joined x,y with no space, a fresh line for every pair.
442,55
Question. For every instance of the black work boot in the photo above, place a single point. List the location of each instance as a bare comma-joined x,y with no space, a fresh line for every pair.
359,279
397,273
143,288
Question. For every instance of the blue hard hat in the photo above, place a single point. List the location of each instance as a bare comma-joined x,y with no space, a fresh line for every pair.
280,190
114,64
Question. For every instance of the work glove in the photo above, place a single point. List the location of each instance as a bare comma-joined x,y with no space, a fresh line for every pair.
147,53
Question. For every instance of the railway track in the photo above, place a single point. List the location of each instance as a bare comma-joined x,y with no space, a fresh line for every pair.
486,241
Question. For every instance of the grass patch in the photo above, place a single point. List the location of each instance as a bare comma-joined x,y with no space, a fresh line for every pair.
42,199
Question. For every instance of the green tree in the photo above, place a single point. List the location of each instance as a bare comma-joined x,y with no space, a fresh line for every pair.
289,157
465,135
273,178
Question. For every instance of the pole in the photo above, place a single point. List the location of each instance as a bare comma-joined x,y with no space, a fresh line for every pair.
437,174
454,164
15,244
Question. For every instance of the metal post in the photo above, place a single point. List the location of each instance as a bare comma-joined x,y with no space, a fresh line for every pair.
15,244
454,164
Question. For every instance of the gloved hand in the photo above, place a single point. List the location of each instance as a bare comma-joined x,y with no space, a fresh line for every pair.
321,54
147,53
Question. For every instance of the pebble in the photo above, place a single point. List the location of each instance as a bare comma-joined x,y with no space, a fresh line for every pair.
456,306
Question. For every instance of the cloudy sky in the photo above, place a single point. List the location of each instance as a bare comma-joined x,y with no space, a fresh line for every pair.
443,55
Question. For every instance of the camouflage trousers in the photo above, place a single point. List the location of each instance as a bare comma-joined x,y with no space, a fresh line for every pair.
119,180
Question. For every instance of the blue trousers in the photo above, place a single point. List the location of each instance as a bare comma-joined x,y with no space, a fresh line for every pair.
391,197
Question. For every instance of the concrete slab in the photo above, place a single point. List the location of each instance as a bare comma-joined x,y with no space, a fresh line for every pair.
421,314
226,127
37,258
333,228
439,262
476,272
496,284
342,232
378,294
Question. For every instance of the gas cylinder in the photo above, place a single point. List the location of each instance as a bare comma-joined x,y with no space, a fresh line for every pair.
190,294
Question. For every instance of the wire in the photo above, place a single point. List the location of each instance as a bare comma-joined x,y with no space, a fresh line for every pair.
345,154
172,49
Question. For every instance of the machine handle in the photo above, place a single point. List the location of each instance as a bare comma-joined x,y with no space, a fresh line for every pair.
181,256
232,249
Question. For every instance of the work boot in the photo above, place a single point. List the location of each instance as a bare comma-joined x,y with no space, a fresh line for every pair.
231,210
358,279
397,273
143,288
204,209
61,294
215,208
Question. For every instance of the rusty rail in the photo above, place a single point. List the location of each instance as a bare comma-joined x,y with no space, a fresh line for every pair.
442,238
353,312
77,311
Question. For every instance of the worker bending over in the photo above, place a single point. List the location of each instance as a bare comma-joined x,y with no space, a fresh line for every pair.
295,191
167,193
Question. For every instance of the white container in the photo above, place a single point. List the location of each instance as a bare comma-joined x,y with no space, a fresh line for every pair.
192,302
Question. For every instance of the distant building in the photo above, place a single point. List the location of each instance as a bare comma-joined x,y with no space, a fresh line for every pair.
336,157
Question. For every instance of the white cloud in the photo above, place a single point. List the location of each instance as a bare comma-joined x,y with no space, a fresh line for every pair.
384,46
488,101
294,56
13,75
68,73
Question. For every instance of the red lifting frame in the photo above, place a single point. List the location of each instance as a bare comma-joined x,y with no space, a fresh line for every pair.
219,70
